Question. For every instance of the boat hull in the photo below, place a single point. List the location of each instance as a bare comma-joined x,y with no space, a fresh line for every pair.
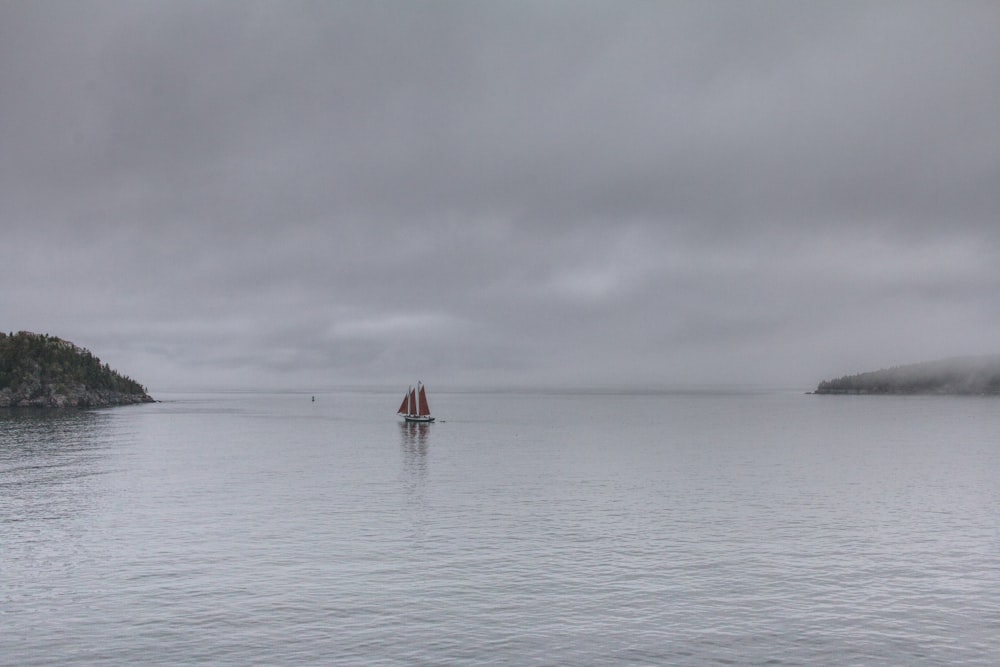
418,419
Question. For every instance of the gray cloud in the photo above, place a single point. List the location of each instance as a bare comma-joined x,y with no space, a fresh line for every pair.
287,193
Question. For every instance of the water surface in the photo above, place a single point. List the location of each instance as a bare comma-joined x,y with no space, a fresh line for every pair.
522,528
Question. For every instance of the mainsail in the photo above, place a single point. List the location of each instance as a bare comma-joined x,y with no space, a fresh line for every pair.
423,409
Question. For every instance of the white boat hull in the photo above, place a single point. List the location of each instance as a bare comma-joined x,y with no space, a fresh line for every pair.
418,419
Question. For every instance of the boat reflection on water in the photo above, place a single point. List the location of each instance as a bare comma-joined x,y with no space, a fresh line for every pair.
414,437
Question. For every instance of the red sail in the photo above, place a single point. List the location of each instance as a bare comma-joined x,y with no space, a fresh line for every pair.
424,409
402,407
413,402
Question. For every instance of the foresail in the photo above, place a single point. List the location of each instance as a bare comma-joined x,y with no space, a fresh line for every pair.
402,407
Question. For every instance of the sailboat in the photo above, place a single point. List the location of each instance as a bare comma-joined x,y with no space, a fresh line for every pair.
414,407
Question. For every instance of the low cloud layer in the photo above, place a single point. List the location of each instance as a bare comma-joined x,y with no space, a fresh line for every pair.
307,194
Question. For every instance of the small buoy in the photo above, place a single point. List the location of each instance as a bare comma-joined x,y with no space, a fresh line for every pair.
314,399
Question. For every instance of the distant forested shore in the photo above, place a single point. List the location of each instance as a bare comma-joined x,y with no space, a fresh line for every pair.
959,376
38,370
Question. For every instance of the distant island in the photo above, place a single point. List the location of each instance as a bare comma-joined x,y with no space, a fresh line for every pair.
38,370
958,376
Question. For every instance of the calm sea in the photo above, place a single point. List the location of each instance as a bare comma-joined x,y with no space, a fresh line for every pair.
524,528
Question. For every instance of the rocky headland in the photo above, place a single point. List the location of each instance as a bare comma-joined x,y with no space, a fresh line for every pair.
42,371
966,376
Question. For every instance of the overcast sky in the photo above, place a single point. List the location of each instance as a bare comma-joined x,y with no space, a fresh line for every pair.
304,194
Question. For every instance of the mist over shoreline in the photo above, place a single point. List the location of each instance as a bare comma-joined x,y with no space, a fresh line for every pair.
973,375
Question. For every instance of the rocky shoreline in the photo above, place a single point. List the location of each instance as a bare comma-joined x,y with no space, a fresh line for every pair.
80,397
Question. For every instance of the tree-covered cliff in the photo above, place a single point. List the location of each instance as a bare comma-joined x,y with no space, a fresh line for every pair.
964,375
45,371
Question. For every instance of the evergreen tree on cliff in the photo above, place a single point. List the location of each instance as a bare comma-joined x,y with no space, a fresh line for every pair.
45,371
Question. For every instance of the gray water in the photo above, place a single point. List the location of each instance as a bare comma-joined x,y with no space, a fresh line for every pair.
524,528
